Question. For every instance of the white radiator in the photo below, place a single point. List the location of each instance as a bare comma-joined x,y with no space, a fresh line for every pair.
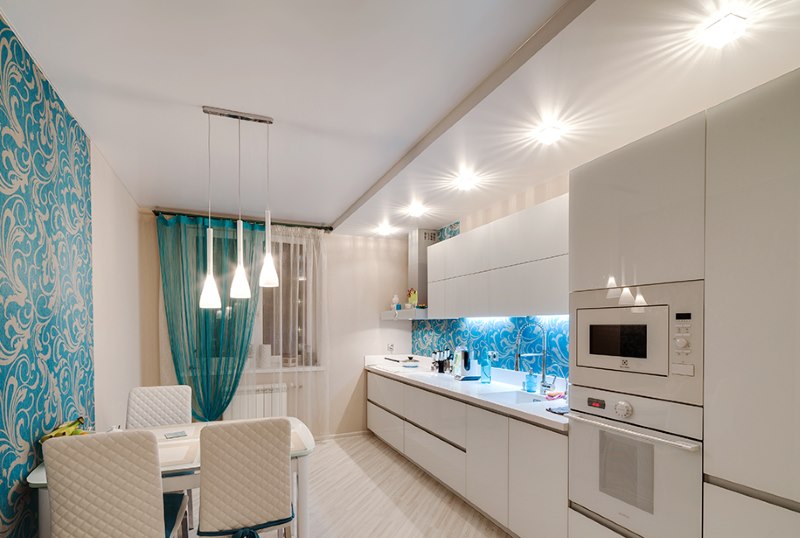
257,402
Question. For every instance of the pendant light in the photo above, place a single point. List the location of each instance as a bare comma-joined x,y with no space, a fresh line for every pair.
240,288
268,277
209,298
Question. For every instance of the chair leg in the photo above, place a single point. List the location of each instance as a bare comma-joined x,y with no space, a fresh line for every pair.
185,526
287,531
190,493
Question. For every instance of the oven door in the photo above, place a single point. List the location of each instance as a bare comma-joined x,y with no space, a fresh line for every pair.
628,339
649,482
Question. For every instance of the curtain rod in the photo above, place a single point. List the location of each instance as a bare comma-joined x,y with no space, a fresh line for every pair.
175,212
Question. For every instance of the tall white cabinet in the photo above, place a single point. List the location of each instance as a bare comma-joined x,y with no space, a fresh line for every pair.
636,215
752,355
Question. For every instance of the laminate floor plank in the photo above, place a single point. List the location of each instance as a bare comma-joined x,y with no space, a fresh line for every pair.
361,488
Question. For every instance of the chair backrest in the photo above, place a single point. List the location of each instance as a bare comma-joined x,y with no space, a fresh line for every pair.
245,476
149,407
105,484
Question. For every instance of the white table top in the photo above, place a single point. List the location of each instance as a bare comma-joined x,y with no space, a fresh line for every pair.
182,454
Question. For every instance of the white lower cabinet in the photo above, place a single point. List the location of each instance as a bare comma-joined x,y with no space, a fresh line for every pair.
537,482
731,515
581,526
444,416
385,392
487,462
442,460
385,425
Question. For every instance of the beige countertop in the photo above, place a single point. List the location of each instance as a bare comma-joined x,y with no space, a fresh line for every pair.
474,393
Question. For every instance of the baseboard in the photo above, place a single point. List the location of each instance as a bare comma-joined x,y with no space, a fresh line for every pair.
336,436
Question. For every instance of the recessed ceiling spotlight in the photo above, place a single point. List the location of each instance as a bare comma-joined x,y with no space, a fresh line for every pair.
384,228
416,209
724,29
548,133
466,180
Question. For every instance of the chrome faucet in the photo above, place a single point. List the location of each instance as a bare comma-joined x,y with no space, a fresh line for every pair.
544,386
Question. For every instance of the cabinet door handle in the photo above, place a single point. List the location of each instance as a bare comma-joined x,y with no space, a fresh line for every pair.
689,447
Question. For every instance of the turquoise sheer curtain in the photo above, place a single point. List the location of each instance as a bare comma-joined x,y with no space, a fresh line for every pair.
209,347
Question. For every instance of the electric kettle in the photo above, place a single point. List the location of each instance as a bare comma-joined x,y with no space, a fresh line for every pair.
465,367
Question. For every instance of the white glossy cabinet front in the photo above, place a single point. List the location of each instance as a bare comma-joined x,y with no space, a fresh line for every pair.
637,214
730,515
385,392
487,462
752,316
540,287
537,482
445,417
385,425
442,460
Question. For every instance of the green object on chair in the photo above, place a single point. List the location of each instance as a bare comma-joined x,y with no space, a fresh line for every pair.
209,346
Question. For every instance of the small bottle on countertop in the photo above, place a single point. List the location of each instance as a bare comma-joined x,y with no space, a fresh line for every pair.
530,382
486,369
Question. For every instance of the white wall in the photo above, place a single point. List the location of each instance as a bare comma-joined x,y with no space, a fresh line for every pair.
363,273
115,286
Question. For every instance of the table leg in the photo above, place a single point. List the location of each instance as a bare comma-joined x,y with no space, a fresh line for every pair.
303,519
44,512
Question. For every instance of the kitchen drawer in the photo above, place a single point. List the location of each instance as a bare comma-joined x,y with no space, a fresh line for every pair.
581,526
487,463
385,425
385,392
445,417
442,460
730,515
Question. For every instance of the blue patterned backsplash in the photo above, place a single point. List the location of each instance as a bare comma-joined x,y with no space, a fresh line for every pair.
481,335
451,230
46,367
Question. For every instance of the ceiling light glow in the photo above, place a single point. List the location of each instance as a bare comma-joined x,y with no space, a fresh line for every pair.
466,180
724,30
548,133
384,228
416,209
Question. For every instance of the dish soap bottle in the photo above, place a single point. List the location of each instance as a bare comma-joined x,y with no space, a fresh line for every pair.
530,382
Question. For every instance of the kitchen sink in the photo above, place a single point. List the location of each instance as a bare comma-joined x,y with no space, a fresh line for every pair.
513,397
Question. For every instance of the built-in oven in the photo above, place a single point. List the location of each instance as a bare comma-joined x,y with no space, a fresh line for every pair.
643,340
636,463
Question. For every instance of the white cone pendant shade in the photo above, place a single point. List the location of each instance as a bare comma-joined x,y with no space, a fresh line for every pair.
268,277
209,298
240,288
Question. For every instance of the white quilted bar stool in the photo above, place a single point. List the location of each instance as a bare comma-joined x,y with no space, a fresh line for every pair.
149,407
109,484
245,478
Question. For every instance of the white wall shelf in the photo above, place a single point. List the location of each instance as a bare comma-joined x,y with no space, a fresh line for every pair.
406,314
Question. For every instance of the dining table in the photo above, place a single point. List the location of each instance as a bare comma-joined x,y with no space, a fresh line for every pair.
179,455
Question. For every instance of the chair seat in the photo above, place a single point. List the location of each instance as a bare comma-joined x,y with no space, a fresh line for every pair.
174,505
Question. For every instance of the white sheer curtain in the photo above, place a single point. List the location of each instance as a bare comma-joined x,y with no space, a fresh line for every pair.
287,352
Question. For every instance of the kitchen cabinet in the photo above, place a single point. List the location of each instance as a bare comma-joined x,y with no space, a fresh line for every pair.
752,290
581,526
446,417
385,393
636,215
487,462
537,481
385,425
727,514
442,460
517,265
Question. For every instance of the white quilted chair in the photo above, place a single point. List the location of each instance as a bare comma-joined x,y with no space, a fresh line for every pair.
109,484
245,478
149,407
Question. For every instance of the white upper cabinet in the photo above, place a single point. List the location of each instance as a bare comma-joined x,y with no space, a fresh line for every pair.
752,313
637,214
514,266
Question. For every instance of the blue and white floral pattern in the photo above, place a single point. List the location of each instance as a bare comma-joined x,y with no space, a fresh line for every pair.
46,367
451,230
481,335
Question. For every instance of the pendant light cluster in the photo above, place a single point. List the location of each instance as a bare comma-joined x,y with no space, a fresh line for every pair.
240,287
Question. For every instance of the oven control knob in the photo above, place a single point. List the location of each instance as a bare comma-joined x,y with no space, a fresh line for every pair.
623,409
681,342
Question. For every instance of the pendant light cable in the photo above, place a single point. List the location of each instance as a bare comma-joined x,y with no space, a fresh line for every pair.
209,171
240,169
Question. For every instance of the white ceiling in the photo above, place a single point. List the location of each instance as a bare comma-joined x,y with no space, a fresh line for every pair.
352,85
619,71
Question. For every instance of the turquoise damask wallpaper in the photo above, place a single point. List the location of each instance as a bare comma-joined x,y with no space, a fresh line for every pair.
46,338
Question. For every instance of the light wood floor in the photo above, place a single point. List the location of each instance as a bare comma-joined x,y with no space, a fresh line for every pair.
360,487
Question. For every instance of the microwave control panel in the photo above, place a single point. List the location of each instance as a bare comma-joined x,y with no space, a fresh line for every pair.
682,344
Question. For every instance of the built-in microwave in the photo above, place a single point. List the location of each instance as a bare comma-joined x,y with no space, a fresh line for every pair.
644,340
